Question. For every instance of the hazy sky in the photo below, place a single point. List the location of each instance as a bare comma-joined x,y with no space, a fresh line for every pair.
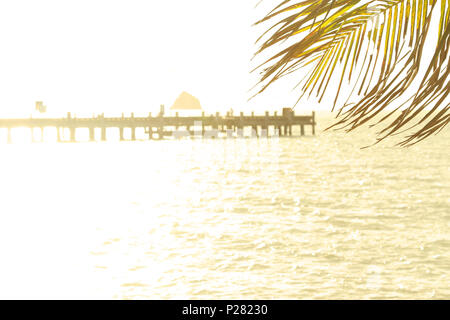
128,55
92,56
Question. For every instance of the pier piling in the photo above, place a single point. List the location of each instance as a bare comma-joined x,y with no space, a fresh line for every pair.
58,134
103,137
121,134
72,134
92,134
313,126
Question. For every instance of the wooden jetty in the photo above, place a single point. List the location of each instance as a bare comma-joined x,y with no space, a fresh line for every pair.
157,127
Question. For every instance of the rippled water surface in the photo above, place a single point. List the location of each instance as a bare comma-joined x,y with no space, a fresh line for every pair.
288,218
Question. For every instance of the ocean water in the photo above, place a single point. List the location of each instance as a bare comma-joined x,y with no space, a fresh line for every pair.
282,218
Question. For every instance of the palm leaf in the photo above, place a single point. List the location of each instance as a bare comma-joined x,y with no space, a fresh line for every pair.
376,47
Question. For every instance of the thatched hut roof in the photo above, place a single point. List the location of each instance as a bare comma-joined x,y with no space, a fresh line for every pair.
185,101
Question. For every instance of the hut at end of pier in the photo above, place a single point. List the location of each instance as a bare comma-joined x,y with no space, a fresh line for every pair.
186,104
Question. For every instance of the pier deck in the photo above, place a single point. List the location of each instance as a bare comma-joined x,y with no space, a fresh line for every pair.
157,127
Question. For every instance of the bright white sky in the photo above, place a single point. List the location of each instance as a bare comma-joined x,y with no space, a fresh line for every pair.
113,56
92,56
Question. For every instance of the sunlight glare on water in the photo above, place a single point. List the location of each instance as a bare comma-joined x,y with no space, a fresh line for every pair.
294,218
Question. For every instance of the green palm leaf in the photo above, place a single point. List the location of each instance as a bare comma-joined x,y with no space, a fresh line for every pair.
374,46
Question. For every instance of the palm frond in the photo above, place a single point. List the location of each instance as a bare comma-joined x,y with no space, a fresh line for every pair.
376,47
